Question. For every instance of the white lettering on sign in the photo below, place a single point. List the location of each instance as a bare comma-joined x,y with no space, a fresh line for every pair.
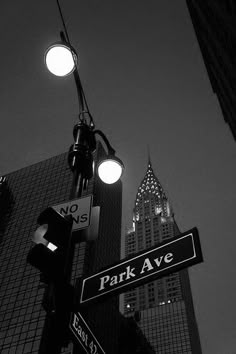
84,334
117,278
148,265
79,209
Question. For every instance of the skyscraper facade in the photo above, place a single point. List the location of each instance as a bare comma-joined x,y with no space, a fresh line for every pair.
24,194
214,25
162,308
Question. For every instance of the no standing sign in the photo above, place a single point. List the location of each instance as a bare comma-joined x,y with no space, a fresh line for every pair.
79,209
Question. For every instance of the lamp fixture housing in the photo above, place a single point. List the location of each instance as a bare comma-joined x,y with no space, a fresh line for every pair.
110,169
61,59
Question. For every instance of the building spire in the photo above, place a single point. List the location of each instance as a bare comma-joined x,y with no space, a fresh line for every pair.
150,191
149,157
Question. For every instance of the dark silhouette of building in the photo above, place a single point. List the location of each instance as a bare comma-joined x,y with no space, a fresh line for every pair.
24,195
214,25
163,308
132,339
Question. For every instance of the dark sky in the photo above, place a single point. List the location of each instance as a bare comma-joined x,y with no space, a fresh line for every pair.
146,85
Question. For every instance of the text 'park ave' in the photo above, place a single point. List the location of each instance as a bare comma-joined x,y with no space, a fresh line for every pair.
163,259
147,266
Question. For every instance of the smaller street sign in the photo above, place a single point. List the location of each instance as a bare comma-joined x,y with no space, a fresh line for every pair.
84,335
79,209
168,257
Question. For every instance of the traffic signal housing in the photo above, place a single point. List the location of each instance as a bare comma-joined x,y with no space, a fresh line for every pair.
53,243
52,256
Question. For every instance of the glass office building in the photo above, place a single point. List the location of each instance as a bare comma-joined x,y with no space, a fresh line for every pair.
24,194
162,308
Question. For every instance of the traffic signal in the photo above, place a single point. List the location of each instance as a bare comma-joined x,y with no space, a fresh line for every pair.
51,256
52,249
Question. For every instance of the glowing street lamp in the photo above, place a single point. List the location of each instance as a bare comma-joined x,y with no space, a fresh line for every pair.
61,59
110,169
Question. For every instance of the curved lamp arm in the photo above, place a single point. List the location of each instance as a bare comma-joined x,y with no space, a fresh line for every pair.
110,149
111,167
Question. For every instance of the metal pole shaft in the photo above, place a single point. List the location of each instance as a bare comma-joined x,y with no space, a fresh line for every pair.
50,341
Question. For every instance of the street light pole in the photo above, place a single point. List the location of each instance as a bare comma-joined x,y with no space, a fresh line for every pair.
80,160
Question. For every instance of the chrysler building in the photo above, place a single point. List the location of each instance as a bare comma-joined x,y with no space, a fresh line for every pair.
162,308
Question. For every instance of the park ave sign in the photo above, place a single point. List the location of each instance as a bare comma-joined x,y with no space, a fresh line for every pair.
168,257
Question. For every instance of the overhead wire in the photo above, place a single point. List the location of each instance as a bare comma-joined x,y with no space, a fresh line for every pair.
83,104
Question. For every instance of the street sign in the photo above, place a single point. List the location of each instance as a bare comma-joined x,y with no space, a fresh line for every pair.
84,335
168,257
79,209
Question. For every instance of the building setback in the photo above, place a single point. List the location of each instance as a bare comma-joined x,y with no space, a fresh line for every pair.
214,25
163,308
24,194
